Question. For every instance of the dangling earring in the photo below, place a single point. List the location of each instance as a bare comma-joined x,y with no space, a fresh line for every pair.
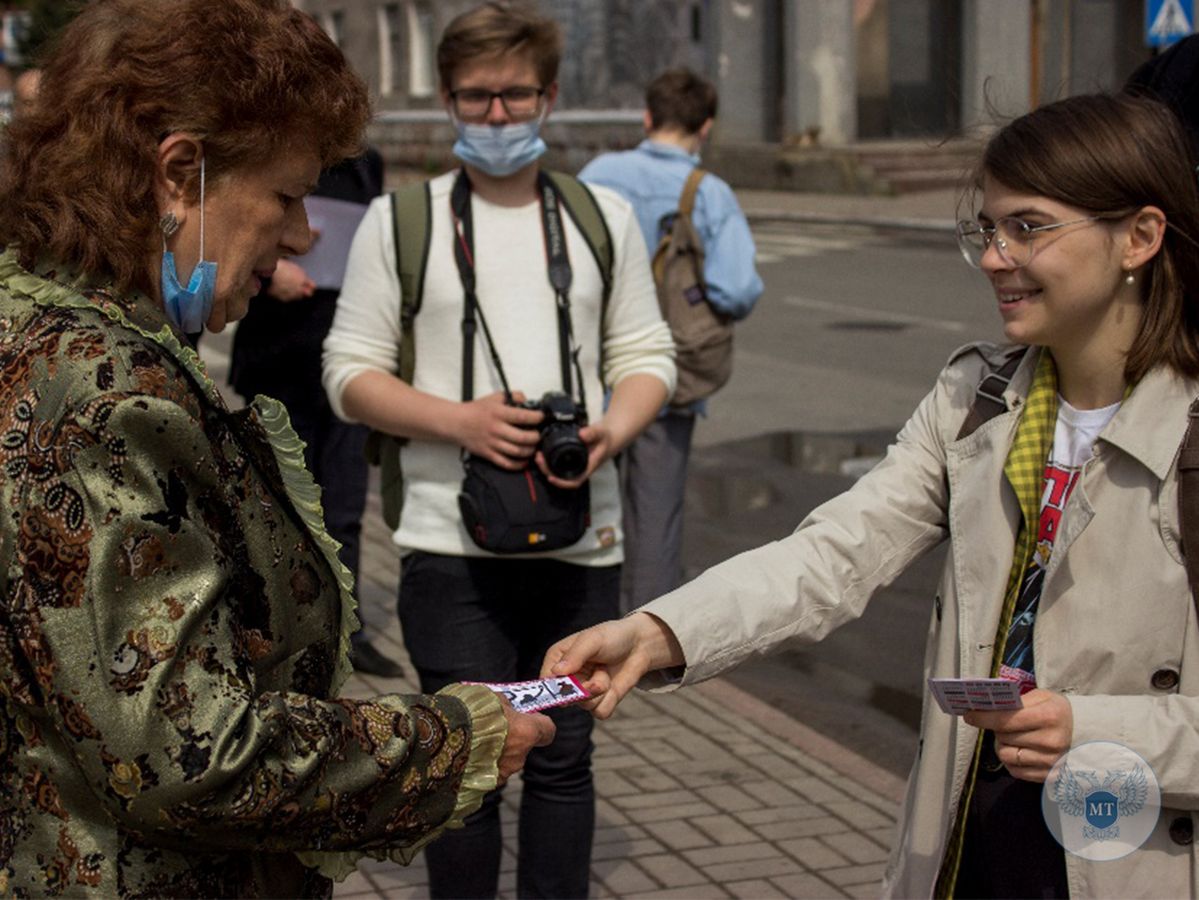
168,224
1128,279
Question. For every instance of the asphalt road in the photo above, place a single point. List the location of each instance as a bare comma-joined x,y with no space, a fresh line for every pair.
852,330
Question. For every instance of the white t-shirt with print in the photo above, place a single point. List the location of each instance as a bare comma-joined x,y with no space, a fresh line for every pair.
1074,437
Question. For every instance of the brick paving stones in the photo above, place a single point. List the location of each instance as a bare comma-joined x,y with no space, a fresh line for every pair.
696,798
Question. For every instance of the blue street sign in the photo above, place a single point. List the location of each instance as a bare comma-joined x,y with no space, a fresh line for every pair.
1167,21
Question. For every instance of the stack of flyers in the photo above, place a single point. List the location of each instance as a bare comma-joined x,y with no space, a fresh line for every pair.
543,693
959,695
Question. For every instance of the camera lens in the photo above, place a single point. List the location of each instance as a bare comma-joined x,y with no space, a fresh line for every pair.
565,453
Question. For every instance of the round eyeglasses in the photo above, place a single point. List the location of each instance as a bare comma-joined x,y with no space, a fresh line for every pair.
473,104
1013,238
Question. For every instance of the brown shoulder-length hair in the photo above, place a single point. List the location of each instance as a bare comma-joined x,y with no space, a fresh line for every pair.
499,28
247,77
1113,154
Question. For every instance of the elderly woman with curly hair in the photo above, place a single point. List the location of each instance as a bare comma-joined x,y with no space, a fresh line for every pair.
174,621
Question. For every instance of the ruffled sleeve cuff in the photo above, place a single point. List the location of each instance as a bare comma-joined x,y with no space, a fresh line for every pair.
489,731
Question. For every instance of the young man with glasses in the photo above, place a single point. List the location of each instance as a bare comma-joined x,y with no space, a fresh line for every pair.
468,614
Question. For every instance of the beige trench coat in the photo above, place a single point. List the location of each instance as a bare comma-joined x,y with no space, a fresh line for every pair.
1115,610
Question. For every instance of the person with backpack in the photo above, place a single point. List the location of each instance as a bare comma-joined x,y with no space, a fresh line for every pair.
1061,469
704,270
482,332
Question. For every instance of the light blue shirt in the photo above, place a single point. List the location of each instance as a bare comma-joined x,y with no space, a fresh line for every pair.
651,178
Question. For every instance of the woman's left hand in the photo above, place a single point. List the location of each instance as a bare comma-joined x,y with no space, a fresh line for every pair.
1029,740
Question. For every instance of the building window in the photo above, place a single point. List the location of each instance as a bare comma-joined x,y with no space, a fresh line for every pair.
421,77
390,57
697,24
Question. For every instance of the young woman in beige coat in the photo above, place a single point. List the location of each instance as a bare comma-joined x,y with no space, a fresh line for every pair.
1086,219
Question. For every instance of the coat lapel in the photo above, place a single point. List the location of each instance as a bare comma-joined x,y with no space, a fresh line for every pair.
984,516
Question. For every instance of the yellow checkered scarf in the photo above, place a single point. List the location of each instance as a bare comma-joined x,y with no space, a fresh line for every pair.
1025,472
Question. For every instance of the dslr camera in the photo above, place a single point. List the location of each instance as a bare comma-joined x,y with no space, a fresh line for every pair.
564,451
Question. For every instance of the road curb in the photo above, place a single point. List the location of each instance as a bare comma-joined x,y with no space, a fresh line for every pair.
937,226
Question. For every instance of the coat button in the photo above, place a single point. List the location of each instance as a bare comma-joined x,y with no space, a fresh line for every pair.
1182,831
1164,679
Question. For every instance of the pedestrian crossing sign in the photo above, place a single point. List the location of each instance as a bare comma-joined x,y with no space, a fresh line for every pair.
1167,21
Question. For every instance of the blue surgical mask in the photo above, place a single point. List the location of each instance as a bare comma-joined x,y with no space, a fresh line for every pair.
189,307
499,150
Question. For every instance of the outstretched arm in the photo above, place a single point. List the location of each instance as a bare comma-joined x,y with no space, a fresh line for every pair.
610,658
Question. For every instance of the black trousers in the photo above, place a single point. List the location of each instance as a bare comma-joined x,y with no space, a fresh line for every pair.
475,619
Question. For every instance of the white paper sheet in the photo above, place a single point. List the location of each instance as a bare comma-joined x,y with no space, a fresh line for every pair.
336,220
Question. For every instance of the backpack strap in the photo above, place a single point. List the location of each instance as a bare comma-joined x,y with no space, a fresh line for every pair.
412,228
988,396
690,188
584,209
1188,500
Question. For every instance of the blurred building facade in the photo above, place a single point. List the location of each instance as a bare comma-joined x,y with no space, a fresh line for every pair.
13,20
826,71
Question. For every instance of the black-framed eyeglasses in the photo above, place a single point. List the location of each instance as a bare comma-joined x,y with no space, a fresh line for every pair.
1013,238
520,102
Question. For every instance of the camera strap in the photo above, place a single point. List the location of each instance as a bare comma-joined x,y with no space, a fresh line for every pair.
559,272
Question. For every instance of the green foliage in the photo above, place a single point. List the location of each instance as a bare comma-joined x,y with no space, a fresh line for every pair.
46,19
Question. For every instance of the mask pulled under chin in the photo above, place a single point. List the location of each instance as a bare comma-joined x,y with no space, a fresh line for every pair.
188,307
499,150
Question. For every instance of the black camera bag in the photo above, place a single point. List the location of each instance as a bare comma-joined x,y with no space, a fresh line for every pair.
508,511
520,512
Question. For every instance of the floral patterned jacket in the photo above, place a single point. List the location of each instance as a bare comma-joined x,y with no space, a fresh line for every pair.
173,630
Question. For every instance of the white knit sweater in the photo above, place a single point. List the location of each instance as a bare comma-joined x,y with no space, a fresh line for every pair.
515,296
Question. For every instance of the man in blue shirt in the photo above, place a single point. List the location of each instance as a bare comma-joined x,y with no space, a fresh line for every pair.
680,109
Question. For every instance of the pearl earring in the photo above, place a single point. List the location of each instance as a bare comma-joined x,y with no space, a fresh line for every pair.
1128,279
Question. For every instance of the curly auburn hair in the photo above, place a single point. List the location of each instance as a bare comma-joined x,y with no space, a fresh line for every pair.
247,77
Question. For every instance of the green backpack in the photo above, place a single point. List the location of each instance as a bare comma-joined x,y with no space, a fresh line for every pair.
412,214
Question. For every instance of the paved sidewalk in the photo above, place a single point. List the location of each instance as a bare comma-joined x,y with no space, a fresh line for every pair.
705,792
935,210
